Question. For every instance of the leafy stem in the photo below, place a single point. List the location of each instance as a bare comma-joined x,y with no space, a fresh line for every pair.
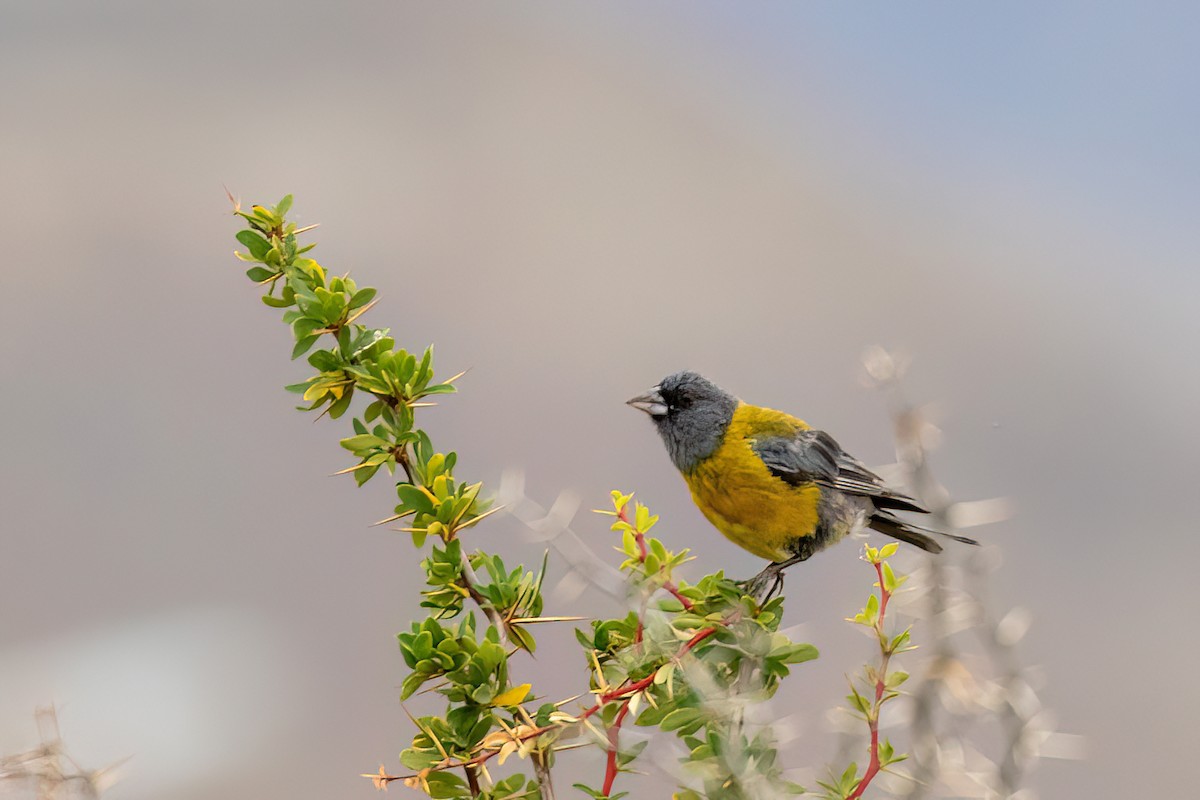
882,685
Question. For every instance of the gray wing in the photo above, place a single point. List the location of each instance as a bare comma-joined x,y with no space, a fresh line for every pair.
815,457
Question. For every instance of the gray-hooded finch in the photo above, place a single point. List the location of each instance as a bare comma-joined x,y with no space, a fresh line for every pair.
768,481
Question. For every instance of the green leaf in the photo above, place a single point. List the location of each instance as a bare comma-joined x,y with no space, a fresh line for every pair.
681,718
263,214
260,274
885,751
285,205
277,302
325,361
361,298
305,326
849,778
289,248
443,784
361,476
799,653
871,610
889,578
523,638
304,345
411,684
628,754
413,498
859,702
255,243
339,406
422,644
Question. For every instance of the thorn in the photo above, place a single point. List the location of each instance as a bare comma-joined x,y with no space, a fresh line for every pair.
476,520
361,311
351,469
562,703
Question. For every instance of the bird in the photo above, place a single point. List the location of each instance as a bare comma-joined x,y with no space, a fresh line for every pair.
771,483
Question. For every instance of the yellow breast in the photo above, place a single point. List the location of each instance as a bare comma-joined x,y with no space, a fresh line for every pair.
738,494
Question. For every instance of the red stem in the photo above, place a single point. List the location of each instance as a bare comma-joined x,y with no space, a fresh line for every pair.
640,633
637,686
610,771
873,718
644,551
683,601
884,594
872,768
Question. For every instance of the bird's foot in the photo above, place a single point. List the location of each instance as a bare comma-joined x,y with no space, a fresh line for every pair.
766,584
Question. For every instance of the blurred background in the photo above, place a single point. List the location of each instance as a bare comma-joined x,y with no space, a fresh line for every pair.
573,200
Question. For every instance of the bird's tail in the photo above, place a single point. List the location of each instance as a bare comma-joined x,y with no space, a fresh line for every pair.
913,534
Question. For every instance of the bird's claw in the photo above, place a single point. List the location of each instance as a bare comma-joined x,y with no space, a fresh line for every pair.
765,585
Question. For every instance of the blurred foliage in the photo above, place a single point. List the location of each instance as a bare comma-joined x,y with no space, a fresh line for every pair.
48,772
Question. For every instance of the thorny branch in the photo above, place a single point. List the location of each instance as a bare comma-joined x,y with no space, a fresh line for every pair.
526,733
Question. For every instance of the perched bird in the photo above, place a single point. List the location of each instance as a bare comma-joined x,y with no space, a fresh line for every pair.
768,481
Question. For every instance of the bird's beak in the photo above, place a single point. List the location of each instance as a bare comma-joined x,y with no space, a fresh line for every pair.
651,402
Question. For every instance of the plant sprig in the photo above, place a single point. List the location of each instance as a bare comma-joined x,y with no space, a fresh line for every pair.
881,684
469,668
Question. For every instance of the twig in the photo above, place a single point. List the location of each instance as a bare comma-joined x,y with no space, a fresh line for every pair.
610,770
473,780
471,584
886,650
542,770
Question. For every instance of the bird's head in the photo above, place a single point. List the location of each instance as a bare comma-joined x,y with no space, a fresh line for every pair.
691,414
